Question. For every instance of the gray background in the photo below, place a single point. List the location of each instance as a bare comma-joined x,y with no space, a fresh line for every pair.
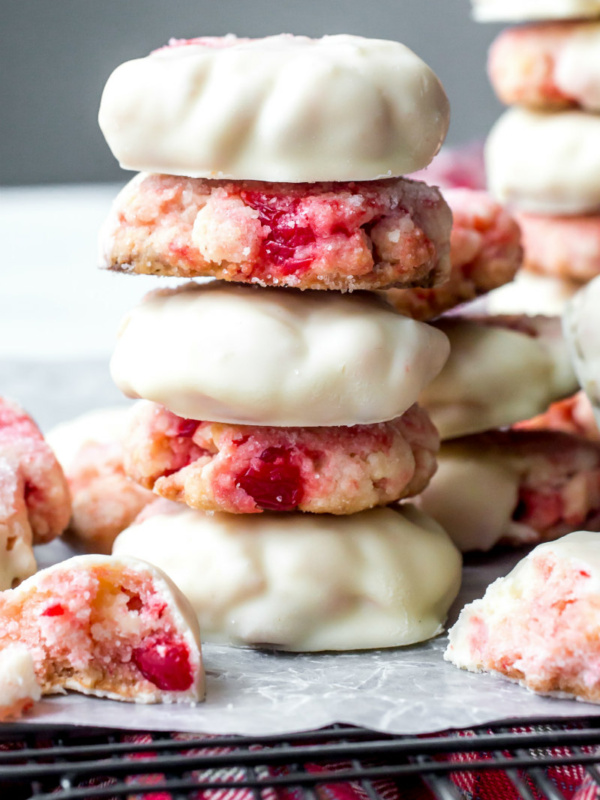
55,56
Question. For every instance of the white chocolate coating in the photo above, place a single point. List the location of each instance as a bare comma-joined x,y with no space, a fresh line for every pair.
523,10
100,426
545,163
306,582
284,108
577,71
504,597
496,376
18,684
241,354
582,330
531,294
473,497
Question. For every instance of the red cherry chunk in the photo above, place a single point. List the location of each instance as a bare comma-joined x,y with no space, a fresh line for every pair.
187,427
287,234
272,480
164,663
55,610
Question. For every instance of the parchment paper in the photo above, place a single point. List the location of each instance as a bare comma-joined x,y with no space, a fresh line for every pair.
404,691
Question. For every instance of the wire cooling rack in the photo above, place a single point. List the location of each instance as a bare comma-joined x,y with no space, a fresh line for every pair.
533,761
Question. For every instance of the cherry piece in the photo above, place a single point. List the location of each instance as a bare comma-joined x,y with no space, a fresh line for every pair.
187,427
287,233
272,480
55,610
165,664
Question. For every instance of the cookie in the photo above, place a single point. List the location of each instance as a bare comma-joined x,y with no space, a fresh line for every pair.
565,247
548,66
582,330
341,236
485,253
572,415
109,627
104,500
275,357
242,469
305,582
515,487
532,294
19,689
539,624
545,163
284,108
501,370
32,479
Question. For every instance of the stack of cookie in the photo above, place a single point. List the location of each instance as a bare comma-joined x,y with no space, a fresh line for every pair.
542,155
279,409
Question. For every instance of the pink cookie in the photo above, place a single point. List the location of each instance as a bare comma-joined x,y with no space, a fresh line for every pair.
247,469
485,253
572,415
33,489
107,626
540,625
460,167
566,247
547,65
340,236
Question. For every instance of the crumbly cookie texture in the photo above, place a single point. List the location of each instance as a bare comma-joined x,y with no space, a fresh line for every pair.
19,688
485,253
32,483
104,500
283,108
247,470
341,236
275,357
305,582
564,247
501,370
106,626
548,66
539,625
515,487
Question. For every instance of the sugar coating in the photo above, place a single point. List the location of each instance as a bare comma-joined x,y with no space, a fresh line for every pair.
246,470
548,66
341,236
545,163
515,487
501,370
565,247
110,627
104,499
305,582
539,624
485,253
523,10
582,330
284,108
19,688
259,356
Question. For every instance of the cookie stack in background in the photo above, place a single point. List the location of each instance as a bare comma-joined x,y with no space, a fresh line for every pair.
281,420
542,156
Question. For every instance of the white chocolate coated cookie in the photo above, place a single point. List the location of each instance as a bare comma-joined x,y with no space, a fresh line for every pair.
582,329
501,370
523,10
305,582
285,108
545,163
259,356
531,294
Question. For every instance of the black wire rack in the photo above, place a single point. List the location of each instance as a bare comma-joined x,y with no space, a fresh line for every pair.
539,759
